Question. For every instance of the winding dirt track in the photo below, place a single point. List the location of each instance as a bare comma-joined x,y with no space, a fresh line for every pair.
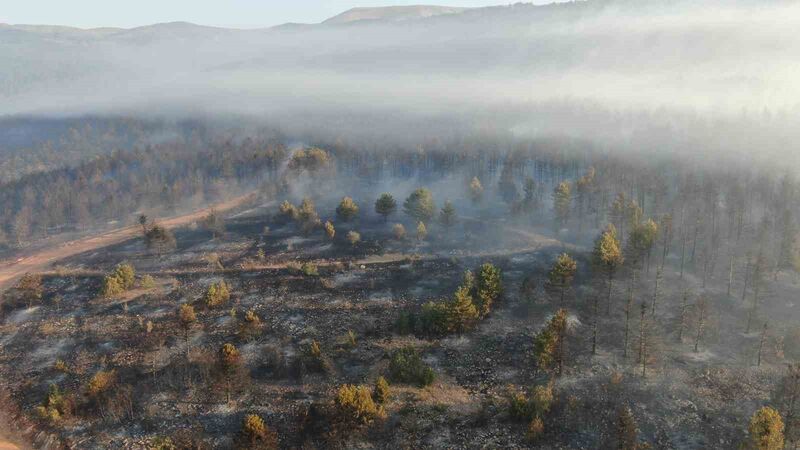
11,270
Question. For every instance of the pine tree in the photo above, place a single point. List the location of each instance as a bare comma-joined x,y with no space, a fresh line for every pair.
475,190
641,240
462,311
347,209
765,430
422,231
488,288
607,256
561,273
419,205
381,393
562,201
549,344
30,288
230,365
447,216
330,231
625,430
385,205
186,320
257,435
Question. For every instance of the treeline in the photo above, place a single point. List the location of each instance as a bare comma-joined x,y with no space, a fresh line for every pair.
115,186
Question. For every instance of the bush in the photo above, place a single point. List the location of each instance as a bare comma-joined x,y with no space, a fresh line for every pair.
434,318
406,366
55,406
256,434
405,323
355,403
288,211
100,383
118,281
111,286
251,327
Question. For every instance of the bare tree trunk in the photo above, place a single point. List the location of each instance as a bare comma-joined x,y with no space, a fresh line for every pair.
730,275
642,343
754,308
683,243
746,279
761,344
594,330
608,298
656,292
701,323
628,307
684,308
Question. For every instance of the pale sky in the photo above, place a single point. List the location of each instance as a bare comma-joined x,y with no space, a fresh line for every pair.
226,13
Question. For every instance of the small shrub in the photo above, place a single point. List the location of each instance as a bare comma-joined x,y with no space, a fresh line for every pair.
312,359
350,338
353,237
535,429
61,366
162,443
399,231
406,366
518,408
309,270
147,282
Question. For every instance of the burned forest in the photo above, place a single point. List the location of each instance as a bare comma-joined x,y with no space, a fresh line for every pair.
572,225
481,291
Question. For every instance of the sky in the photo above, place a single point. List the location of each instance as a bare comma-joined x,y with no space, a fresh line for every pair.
225,13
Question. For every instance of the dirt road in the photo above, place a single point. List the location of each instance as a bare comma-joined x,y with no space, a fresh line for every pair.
11,270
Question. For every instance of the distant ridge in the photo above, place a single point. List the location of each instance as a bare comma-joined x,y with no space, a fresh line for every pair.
392,13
